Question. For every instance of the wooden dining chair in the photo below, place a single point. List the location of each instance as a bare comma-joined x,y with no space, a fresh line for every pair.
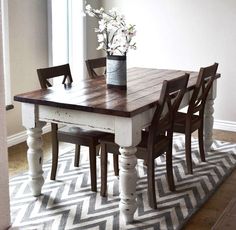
193,120
74,135
156,140
95,65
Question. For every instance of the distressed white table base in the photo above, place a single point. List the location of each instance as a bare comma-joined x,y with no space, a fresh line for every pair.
128,179
35,159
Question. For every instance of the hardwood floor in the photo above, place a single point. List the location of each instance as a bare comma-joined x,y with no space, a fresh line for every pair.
204,219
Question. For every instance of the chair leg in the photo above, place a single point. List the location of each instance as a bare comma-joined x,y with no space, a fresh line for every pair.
188,153
93,167
145,162
55,148
116,164
103,191
201,143
169,169
151,185
98,149
77,155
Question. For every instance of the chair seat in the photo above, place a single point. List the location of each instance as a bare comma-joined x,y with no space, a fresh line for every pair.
79,136
141,153
160,145
180,122
76,131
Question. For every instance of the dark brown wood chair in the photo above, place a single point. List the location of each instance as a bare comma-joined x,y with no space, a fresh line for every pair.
193,120
94,64
156,140
74,135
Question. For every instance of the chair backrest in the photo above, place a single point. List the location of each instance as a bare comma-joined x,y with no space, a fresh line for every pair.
204,83
171,95
51,72
93,64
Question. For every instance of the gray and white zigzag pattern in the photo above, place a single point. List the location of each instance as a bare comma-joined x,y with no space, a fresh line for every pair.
68,202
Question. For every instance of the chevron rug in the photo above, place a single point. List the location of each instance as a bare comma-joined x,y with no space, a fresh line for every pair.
68,202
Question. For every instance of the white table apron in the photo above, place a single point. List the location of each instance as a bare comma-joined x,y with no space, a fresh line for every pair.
127,132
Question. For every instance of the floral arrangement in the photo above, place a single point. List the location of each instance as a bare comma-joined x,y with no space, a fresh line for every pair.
114,35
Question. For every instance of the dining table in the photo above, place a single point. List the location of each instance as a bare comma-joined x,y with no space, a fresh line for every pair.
90,104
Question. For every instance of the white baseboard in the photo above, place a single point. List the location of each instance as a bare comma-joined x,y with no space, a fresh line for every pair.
225,125
22,136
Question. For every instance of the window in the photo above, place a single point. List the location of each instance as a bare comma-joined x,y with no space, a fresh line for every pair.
66,35
6,62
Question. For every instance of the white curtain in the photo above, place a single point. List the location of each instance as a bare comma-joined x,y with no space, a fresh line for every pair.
4,189
5,42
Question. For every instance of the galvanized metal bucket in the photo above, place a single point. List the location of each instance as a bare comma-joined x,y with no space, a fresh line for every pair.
116,72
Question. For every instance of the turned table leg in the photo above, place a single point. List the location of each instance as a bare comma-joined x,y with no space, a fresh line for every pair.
128,178
35,159
208,118
208,125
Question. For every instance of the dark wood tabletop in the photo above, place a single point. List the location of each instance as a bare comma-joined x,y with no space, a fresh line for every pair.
92,95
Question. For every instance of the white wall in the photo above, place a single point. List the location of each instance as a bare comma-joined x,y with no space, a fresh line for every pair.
187,35
28,51
4,190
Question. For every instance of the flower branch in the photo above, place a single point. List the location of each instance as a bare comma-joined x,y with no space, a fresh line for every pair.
114,35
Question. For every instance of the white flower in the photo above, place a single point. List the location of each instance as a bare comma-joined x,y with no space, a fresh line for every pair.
113,11
97,11
89,11
101,9
112,47
101,46
114,35
105,17
124,47
102,25
100,38
88,8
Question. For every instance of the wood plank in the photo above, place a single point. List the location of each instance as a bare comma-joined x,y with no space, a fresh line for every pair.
227,220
